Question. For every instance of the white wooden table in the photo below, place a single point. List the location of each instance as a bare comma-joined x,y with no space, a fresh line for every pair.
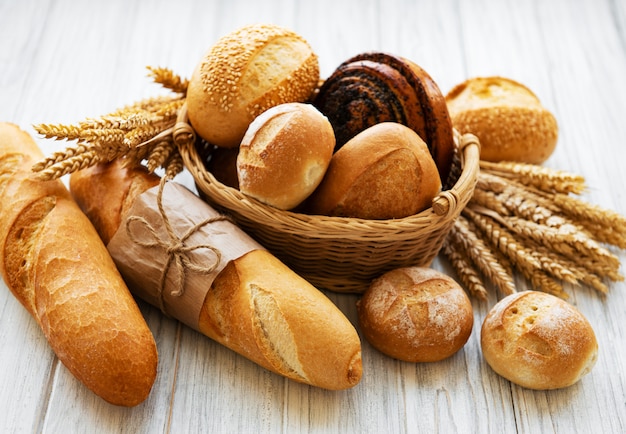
64,60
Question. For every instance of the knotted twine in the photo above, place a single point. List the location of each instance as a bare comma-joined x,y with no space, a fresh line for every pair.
175,247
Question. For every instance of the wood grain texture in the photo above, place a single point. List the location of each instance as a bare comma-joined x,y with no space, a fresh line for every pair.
63,61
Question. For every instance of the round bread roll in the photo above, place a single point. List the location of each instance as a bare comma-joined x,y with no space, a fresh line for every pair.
538,341
384,172
245,73
506,116
376,87
285,154
416,314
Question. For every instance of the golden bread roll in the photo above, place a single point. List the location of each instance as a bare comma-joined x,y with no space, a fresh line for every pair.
506,116
245,73
416,314
285,154
56,265
256,305
538,341
384,172
377,87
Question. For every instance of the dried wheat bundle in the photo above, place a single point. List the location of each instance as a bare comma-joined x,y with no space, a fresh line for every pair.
522,217
143,131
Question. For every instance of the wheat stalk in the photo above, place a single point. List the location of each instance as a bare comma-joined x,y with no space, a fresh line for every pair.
464,269
132,131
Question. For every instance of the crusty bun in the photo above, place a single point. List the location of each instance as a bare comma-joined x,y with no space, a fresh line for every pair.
416,314
538,341
383,172
285,154
506,116
377,87
245,73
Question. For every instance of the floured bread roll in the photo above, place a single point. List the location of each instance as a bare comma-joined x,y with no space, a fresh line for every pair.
285,154
538,341
416,314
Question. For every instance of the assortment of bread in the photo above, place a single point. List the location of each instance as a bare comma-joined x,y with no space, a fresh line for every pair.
375,141
506,116
253,303
538,341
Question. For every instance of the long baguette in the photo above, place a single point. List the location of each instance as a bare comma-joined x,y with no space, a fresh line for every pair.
256,306
56,265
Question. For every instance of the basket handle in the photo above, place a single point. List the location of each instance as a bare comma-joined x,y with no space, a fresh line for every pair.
446,202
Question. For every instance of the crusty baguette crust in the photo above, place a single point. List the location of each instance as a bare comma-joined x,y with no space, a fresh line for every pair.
55,264
108,200
259,307
256,306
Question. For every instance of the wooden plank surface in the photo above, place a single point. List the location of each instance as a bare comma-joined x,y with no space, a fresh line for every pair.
64,60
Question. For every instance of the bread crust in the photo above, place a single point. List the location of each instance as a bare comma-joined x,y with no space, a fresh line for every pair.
245,73
383,172
506,116
538,341
252,309
416,314
56,265
285,154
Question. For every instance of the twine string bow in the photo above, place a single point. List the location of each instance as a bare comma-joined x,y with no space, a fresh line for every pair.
178,252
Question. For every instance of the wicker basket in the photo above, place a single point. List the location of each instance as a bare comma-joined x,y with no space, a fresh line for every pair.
337,253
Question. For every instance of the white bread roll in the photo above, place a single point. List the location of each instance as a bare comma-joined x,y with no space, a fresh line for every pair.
245,73
506,116
384,172
538,341
256,305
285,154
55,264
416,314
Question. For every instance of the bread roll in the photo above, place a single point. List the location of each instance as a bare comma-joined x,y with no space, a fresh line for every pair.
256,305
506,116
245,73
377,87
538,341
416,314
285,154
383,172
55,264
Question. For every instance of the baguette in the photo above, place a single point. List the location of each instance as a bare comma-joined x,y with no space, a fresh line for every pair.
55,264
256,306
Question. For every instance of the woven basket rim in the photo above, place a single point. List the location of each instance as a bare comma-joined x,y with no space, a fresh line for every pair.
444,205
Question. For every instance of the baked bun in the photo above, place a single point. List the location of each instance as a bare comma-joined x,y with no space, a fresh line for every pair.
376,87
285,154
506,116
245,73
383,172
416,314
538,341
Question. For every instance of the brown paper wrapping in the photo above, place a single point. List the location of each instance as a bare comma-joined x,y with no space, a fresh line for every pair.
150,245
